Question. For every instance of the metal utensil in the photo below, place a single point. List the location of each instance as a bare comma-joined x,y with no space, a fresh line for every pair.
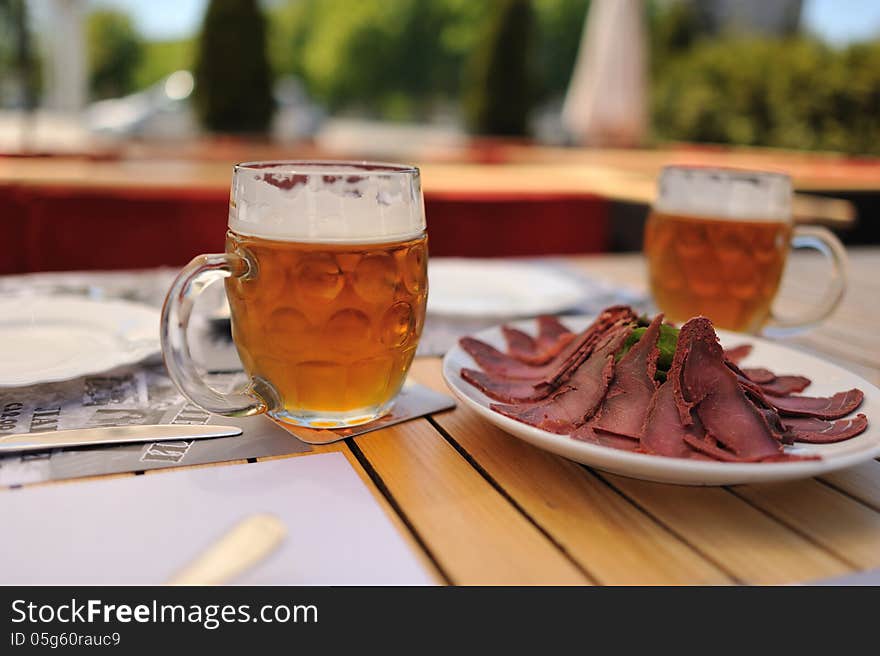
242,547
112,435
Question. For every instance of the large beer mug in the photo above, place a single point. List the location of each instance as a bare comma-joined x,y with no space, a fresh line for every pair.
326,277
716,243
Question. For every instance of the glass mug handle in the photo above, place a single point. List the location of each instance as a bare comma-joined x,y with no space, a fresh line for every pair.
824,241
190,282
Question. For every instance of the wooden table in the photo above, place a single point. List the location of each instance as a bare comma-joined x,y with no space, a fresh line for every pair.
482,507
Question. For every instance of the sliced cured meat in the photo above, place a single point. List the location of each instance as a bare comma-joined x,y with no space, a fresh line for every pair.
820,431
664,433
710,447
499,364
629,395
785,385
670,419
738,353
570,406
770,383
518,341
833,407
682,405
578,399
739,372
708,408
619,420
523,390
551,328
710,387
754,393
552,338
492,360
774,423
504,389
779,386
759,375
589,433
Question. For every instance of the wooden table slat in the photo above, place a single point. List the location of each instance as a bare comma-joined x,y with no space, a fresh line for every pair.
748,543
474,533
862,482
844,527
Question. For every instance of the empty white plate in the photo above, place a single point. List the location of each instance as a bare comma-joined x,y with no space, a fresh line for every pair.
481,288
827,379
53,338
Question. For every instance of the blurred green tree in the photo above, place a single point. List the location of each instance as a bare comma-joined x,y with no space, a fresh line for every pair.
114,53
790,93
558,37
390,58
404,59
500,94
161,58
19,60
673,28
233,91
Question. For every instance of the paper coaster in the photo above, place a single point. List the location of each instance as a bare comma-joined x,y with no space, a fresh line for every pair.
414,401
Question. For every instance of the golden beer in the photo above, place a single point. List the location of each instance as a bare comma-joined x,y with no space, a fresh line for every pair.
333,326
726,269
325,270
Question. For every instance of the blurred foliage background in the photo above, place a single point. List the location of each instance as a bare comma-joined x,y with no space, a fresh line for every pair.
498,84
409,59
19,61
790,91
394,59
233,76
115,51
490,65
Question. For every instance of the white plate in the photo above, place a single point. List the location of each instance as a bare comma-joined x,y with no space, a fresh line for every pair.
47,339
827,379
498,289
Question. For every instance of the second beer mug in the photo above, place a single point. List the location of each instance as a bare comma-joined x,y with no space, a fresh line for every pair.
326,277
716,243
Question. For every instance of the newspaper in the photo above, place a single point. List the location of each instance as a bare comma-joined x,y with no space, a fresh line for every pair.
126,396
133,395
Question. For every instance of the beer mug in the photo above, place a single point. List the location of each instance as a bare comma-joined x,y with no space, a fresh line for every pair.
326,277
716,243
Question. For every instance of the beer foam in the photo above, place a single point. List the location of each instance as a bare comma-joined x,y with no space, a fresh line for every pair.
327,202
724,194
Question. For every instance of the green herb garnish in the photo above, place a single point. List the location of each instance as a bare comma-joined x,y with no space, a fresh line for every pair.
666,344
